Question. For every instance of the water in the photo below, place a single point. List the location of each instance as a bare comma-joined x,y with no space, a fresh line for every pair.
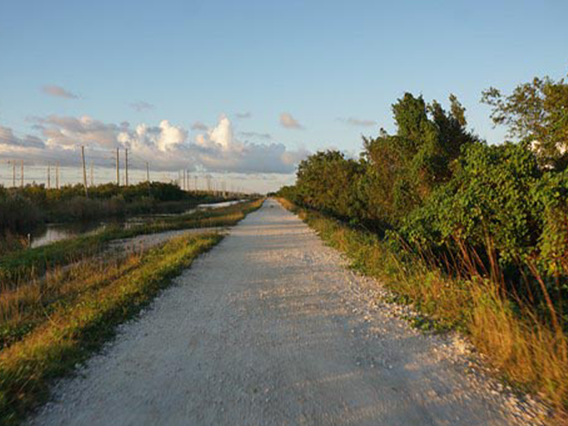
61,231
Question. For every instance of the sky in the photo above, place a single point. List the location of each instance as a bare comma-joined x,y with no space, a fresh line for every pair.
243,90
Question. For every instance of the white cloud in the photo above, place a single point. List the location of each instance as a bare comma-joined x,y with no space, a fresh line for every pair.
219,150
72,131
358,122
166,146
289,122
141,106
58,92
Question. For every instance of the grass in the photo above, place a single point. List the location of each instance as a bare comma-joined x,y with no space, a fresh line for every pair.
527,350
22,209
49,326
19,267
67,320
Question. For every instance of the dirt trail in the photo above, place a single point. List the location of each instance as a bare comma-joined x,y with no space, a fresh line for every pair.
270,328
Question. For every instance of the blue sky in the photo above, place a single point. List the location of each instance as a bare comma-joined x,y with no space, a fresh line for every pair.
322,62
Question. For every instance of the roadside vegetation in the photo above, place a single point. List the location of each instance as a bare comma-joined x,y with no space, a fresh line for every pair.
62,322
49,326
474,235
22,209
19,267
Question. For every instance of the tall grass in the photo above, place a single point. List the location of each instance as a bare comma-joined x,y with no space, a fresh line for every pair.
19,267
48,326
63,323
22,209
528,347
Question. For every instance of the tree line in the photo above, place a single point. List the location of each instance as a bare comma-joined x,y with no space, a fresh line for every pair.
435,187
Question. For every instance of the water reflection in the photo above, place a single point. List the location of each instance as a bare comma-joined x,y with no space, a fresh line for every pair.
60,231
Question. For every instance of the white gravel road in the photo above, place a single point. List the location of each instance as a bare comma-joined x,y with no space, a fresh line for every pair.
271,328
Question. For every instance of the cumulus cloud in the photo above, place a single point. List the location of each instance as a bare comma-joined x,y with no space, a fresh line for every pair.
289,122
141,106
165,146
358,122
65,131
242,115
219,150
58,92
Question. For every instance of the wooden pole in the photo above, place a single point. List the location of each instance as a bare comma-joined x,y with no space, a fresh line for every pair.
126,164
117,167
13,174
84,171
147,172
49,176
22,173
57,175
184,181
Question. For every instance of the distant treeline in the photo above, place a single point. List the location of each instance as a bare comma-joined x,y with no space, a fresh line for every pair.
24,208
436,189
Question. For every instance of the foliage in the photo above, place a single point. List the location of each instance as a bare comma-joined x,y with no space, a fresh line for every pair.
402,170
435,190
23,208
488,197
537,114
514,338
329,183
395,174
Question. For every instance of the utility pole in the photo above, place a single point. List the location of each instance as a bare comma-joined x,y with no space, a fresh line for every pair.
126,164
184,181
84,171
92,176
49,176
57,175
117,167
147,172
13,174
22,172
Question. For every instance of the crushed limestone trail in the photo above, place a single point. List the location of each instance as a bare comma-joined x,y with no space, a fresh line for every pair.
271,328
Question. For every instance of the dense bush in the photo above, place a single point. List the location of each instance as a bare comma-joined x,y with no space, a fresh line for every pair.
23,208
437,189
17,212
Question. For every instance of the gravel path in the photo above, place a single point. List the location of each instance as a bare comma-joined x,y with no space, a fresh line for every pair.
271,328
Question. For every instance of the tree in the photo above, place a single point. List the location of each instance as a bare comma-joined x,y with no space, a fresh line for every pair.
403,169
537,114
327,181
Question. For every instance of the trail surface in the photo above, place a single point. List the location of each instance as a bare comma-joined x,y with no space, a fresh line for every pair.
270,328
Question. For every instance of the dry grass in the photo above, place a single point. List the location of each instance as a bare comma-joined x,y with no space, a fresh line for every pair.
62,324
23,307
49,325
10,242
20,267
527,349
